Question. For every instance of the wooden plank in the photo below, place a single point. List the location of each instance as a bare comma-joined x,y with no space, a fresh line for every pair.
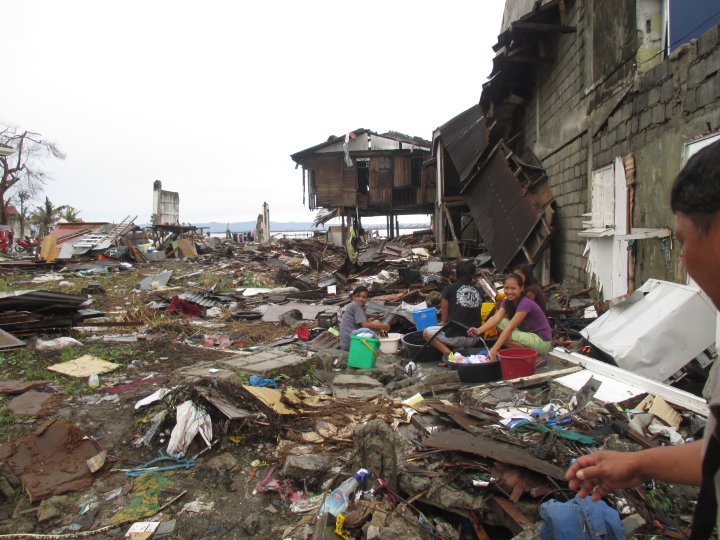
460,441
541,378
508,514
480,531
401,172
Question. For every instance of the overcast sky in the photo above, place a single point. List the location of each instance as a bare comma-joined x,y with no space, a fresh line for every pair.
212,97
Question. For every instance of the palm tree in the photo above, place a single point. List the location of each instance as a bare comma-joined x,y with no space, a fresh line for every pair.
70,214
46,216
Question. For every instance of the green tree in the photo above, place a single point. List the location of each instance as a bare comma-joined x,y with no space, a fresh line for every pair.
22,154
70,214
46,216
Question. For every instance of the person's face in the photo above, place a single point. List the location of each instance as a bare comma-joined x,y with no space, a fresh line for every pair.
361,298
701,254
512,290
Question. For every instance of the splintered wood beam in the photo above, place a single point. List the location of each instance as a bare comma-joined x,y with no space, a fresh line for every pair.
508,514
480,531
543,27
455,440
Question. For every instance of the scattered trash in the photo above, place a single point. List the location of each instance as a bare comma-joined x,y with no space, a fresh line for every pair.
191,420
57,344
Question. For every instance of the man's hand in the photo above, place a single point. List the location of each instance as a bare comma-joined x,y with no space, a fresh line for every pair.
601,472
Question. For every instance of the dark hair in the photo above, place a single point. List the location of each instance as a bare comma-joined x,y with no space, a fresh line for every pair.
465,270
527,271
511,307
696,189
359,289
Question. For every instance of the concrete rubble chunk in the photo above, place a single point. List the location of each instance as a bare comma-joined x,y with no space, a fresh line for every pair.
266,363
306,467
356,386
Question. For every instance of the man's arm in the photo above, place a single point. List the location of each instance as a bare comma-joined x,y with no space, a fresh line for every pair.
601,472
444,311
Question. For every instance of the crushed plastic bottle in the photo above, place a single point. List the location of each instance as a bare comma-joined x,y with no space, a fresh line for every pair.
93,381
339,499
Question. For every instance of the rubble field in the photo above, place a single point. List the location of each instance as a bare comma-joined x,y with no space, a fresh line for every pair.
205,397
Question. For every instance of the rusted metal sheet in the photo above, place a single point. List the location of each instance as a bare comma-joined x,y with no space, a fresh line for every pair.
465,138
461,441
504,215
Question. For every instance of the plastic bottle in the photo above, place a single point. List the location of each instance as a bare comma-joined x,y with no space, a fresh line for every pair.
93,381
338,501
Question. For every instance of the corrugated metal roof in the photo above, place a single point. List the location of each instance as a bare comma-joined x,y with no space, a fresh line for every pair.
465,138
334,143
503,214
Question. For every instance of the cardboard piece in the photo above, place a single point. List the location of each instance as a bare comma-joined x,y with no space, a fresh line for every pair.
142,530
186,247
270,398
49,250
657,406
84,366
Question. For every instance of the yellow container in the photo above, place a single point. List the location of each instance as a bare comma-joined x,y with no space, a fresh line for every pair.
485,310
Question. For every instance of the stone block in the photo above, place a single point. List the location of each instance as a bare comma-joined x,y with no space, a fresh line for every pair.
705,93
696,74
354,380
634,124
604,144
712,62
669,111
205,370
309,466
707,41
640,103
666,91
645,119
654,95
350,385
621,131
612,137
267,363
658,114
358,393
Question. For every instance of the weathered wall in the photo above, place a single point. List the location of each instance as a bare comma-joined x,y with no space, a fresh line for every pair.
583,115
554,130
671,104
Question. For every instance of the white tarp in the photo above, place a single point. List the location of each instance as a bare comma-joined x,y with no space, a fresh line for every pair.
661,327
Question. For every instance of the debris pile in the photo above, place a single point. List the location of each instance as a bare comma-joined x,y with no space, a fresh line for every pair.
230,410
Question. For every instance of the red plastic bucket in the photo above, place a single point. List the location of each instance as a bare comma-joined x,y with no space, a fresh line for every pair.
516,363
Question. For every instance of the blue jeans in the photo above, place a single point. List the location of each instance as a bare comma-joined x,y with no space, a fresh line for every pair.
580,519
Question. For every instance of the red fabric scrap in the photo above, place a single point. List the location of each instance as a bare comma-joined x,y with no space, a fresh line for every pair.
183,307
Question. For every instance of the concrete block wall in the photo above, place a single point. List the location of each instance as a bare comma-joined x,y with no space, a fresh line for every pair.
574,129
675,102
551,130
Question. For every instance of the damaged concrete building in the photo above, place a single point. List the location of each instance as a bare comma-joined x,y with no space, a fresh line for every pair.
611,125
